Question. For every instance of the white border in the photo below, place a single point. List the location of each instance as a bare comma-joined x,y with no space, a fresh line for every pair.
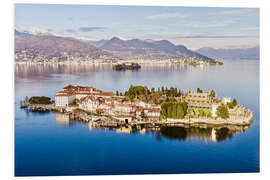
204,3
7,88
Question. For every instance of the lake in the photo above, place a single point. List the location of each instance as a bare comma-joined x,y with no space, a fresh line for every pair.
48,144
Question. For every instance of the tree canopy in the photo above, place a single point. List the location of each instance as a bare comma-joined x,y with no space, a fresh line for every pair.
40,100
199,90
223,112
175,110
212,93
232,104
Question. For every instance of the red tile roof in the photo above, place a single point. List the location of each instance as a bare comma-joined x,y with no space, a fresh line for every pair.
106,94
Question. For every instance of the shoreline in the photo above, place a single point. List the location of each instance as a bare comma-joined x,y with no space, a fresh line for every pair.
112,62
106,121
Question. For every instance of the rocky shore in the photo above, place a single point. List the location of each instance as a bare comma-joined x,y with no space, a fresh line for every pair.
110,121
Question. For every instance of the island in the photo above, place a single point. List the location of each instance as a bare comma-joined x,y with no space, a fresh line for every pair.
126,66
141,105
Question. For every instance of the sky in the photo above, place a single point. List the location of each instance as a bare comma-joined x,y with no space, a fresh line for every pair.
194,27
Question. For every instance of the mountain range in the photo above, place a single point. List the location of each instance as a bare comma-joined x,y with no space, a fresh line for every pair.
146,49
252,53
49,47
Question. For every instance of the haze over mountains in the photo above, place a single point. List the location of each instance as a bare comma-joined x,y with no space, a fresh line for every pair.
238,53
146,49
61,48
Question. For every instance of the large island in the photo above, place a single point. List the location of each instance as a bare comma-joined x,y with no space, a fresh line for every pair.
139,105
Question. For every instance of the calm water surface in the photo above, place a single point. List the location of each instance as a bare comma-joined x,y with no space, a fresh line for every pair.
49,144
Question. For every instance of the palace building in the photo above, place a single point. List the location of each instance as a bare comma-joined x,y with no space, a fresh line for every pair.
91,99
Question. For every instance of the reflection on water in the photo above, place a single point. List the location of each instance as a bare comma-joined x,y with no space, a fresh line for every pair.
33,70
67,147
184,132
62,119
36,70
204,132
180,132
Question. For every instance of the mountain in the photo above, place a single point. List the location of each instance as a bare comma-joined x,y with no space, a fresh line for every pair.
53,48
237,53
148,49
97,43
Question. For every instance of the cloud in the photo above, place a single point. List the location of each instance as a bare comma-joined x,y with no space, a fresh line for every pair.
89,29
167,15
210,23
214,37
35,30
70,31
250,11
70,19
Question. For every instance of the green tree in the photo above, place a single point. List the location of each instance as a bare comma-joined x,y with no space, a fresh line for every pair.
230,105
179,93
212,94
175,110
40,100
117,93
199,90
234,102
153,91
223,112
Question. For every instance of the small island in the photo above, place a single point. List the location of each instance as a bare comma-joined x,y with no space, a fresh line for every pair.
126,66
196,62
143,106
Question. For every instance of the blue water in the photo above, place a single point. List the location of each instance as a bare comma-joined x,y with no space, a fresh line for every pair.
46,146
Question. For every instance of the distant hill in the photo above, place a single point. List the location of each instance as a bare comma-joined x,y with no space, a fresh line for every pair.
38,45
146,49
97,43
238,53
49,47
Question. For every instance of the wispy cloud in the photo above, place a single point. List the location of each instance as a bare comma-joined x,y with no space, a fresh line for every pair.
210,24
70,19
167,15
70,30
35,30
89,29
250,11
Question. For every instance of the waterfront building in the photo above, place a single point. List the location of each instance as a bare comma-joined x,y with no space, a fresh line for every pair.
92,100
90,103
121,107
198,98
214,109
153,113
69,93
64,99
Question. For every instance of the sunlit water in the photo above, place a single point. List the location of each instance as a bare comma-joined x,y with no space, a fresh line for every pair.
48,144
